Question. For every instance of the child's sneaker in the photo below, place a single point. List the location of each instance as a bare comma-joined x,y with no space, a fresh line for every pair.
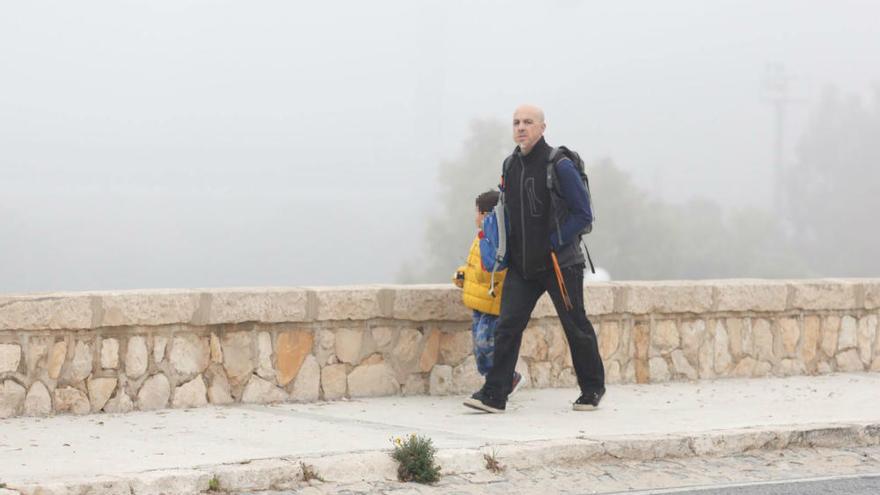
517,381
589,401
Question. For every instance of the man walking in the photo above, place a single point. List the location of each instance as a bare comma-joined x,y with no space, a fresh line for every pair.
543,233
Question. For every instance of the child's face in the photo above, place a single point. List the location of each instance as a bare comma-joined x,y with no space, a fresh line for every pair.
479,219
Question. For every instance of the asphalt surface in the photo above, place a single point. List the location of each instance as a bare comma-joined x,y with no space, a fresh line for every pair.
860,485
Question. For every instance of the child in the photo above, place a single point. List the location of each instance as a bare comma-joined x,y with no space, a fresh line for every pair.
476,281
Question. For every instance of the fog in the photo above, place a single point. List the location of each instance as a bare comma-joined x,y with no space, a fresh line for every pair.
206,143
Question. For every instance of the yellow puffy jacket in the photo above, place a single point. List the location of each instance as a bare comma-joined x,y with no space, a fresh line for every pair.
476,283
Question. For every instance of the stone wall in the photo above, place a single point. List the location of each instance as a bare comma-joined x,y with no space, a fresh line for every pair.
122,351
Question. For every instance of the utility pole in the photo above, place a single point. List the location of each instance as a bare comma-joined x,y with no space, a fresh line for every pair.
776,83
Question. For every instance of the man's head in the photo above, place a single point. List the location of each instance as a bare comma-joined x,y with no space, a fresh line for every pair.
528,127
485,203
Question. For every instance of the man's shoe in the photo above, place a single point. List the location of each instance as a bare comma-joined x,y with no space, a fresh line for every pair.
483,402
517,381
589,401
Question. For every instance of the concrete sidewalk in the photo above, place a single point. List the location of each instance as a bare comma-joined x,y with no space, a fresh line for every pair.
260,447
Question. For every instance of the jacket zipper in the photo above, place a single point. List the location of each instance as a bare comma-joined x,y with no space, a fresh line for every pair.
522,210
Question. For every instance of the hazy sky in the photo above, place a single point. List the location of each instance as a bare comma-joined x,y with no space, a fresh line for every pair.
189,144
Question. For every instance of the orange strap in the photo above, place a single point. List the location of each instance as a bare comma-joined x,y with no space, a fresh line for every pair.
561,281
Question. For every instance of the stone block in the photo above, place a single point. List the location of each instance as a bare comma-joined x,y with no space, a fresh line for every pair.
682,366
267,305
613,374
351,303
407,350
12,398
190,354
790,367
557,345
219,392
372,380
534,345
191,394
259,391
37,353
264,356
10,357
334,381
149,307
440,380
664,337
823,294
872,294
541,372
216,349
109,354
750,295
544,308
788,337
100,390
119,404
609,339
810,342
745,368
80,367
160,342
415,385
848,338
429,303
455,346
693,334
599,298
350,345
46,312
735,334
307,386
384,337
325,347
849,361
867,334
465,377
763,340
291,349
430,352
237,357
154,393
136,359
830,334
668,297
659,370
71,400
38,401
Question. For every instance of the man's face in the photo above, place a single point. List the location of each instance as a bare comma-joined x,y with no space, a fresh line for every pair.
528,127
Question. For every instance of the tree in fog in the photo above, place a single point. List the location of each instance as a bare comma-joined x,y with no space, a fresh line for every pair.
451,229
833,191
635,236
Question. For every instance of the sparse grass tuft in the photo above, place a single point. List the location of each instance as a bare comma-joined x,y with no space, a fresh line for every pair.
309,473
492,463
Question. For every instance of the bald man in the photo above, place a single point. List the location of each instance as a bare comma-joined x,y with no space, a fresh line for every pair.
542,221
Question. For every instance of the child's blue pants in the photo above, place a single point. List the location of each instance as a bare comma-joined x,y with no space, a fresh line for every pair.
483,330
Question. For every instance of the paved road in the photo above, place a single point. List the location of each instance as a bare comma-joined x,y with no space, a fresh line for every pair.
759,472
860,485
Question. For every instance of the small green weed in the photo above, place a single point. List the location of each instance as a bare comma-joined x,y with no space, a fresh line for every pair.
415,458
214,484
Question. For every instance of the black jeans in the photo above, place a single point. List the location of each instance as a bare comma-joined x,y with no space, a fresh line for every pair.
518,299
